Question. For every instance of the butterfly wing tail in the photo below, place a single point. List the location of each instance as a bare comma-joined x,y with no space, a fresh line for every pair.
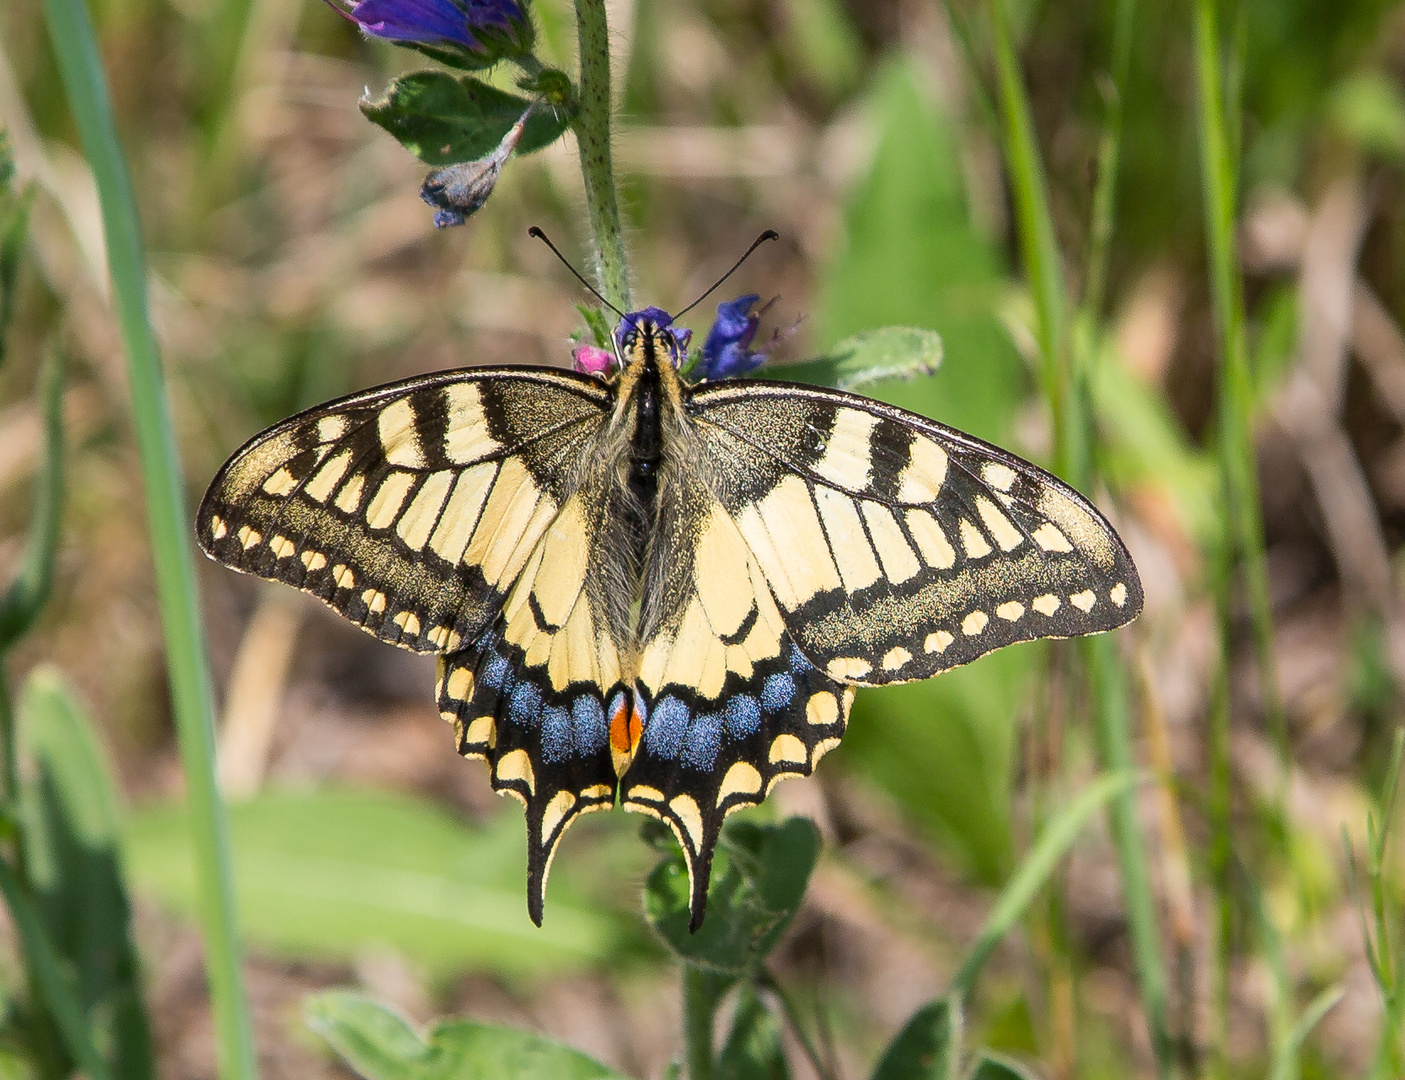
545,748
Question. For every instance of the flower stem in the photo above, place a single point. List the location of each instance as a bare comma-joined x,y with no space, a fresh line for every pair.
702,991
592,128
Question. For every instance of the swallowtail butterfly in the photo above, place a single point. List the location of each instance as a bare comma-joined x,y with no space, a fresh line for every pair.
654,592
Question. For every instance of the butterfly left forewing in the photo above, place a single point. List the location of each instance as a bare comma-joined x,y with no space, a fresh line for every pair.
409,509
897,547
728,704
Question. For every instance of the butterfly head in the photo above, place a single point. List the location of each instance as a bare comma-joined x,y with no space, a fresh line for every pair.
650,334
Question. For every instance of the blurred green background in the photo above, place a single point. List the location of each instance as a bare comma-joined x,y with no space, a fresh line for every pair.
292,261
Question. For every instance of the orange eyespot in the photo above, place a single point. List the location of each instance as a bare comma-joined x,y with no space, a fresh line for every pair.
626,725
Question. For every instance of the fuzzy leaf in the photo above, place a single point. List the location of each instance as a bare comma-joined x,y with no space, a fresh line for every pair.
894,352
927,1048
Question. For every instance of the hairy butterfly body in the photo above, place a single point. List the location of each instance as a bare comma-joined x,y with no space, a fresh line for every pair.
657,593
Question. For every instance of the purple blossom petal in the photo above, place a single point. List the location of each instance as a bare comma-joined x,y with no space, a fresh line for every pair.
414,20
448,21
726,353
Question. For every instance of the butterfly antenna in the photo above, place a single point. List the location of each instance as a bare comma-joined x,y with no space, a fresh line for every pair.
536,233
769,234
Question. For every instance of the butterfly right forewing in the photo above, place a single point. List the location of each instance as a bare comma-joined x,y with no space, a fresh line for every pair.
897,547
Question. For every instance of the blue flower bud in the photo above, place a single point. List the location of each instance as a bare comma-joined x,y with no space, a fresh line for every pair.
458,191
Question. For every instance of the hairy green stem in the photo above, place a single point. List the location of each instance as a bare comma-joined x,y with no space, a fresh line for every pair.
84,81
592,127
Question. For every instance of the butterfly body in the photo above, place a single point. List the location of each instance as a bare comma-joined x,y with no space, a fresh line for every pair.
658,593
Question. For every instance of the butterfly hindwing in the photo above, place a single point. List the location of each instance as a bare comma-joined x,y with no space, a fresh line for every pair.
896,547
729,704
412,508
529,696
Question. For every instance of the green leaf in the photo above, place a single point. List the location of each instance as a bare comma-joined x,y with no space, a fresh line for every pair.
381,1045
994,1067
442,119
895,352
68,810
327,873
758,881
753,1050
927,1048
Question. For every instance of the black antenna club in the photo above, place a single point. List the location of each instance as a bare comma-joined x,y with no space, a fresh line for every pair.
536,233
769,234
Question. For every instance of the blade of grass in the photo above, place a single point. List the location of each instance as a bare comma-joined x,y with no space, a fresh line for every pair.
1242,538
1108,685
1104,210
1219,148
1285,1065
1038,243
1034,870
1066,383
71,34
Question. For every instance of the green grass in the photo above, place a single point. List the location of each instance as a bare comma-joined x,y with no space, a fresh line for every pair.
168,518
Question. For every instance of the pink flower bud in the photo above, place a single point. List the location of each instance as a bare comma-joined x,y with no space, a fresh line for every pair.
592,360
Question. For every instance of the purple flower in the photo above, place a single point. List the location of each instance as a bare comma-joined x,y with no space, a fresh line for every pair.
726,353
437,22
